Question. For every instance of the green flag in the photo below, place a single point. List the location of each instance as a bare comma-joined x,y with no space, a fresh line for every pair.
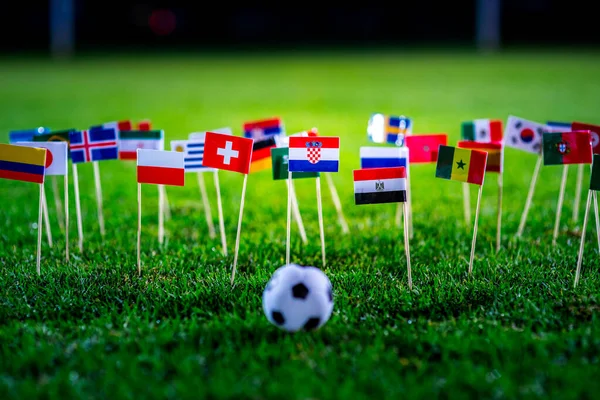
595,179
279,158
56,136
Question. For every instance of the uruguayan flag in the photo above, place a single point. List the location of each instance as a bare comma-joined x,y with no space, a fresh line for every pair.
194,154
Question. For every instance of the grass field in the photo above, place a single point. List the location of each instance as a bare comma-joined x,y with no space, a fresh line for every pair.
94,329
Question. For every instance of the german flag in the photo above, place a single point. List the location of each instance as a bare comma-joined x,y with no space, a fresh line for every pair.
494,150
261,154
462,165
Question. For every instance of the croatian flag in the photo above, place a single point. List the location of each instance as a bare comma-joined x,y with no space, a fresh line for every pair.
314,154
94,145
382,157
380,185
263,128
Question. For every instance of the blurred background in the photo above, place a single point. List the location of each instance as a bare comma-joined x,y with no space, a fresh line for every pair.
67,27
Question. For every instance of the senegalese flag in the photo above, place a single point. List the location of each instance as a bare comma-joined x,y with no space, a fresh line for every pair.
561,148
22,163
494,150
462,165
280,161
595,178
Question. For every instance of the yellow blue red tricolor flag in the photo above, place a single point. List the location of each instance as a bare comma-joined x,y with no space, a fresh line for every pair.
22,163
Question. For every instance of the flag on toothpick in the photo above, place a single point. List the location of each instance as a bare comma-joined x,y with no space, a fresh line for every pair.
93,145
264,128
383,157
495,159
594,132
388,128
201,135
227,152
116,125
555,126
144,125
524,135
54,136
562,148
261,154
56,156
280,163
193,154
380,185
130,141
160,167
26,135
482,130
316,154
424,148
22,163
462,165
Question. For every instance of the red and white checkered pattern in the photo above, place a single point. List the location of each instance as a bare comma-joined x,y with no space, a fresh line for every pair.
314,154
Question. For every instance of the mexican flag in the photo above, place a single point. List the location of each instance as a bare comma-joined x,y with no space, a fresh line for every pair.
130,141
567,148
482,130
280,162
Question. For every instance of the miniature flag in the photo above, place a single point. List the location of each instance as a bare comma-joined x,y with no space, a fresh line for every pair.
263,128
144,125
494,150
201,135
284,141
482,130
56,156
554,126
22,163
424,148
388,128
160,167
562,148
193,154
595,178
130,141
524,135
380,185
56,136
94,145
594,132
261,154
383,157
461,165
117,125
227,152
26,135
314,154
280,162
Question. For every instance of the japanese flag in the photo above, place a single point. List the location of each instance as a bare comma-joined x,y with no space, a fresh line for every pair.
56,156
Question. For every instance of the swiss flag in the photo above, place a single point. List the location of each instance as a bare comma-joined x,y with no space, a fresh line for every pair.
231,153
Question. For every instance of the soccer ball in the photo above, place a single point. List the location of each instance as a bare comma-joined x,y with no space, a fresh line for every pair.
298,297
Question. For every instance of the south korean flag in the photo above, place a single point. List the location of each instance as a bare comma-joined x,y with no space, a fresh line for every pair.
524,135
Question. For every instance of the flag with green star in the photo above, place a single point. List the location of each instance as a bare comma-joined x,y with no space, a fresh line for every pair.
460,164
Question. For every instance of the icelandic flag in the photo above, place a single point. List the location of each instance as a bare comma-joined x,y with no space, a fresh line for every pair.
93,145
314,154
383,157
26,135
264,128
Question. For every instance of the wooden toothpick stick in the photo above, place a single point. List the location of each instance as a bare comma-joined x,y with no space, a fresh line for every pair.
67,214
467,203
220,211
499,220
78,208
407,245
40,227
577,200
239,229
581,244
321,225
57,203
534,177
475,229
99,197
337,203
561,199
206,203
46,217
139,232
289,219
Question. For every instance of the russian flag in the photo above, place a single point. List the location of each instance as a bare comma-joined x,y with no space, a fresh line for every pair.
314,154
383,157
263,128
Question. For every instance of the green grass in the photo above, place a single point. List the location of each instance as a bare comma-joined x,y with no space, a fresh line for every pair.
94,329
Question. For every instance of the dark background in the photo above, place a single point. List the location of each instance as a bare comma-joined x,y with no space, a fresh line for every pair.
113,24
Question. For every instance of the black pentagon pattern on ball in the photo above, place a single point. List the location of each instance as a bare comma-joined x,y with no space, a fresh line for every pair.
299,291
278,317
312,323
329,294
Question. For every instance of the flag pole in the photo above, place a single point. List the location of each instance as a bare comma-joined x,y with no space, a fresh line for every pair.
499,221
534,177
337,203
475,229
207,211
409,201
467,203
407,244
167,206
67,214
139,231
580,255
78,208
320,210
57,203
595,198
296,211
46,218
99,196
561,199
289,219
577,200
220,210
161,215
40,227
239,228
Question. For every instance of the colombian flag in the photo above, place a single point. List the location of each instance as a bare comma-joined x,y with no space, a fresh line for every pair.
22,163
462,165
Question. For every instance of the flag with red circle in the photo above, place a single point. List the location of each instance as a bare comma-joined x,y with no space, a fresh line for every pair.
524,135
56,155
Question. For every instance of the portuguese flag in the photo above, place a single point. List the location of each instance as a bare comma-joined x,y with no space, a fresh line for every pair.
567,148
462,165
494,150
595,179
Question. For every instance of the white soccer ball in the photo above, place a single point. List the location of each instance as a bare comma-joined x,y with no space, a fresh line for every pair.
297,298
